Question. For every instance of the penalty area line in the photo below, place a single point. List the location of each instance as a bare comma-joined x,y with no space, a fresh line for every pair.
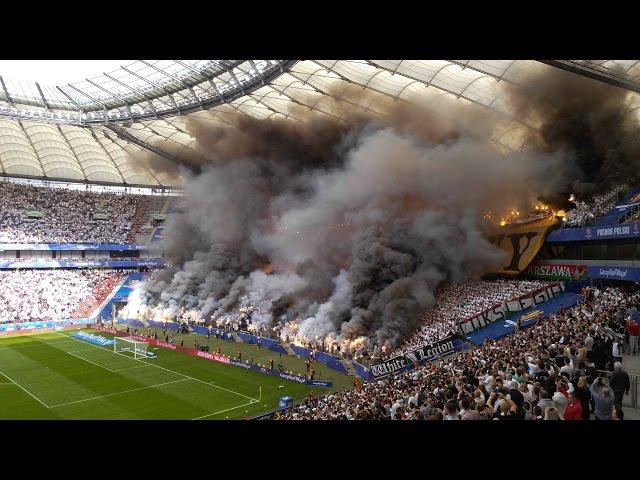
24,389
227,410
118,393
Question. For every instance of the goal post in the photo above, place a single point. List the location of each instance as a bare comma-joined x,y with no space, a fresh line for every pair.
127,344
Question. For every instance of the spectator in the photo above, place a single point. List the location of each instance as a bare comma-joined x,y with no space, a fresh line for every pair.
574,408
633,330
603,399
583,394
620,384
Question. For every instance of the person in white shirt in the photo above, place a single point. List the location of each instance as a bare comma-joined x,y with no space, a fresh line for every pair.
560,402
616,351
567,368
588,342
451,411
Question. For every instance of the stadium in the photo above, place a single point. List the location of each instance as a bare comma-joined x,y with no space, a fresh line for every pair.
279,240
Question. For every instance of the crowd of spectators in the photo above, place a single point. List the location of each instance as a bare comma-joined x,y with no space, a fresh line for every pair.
546,372
584,212
634,217
66,216
33,295
458,302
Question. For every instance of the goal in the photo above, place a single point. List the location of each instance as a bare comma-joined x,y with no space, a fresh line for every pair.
138,349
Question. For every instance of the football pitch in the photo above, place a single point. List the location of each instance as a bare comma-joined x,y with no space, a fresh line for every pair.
55,376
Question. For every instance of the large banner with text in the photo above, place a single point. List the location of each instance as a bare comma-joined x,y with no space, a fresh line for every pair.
557,271
500,311
596,232
522,242
419,356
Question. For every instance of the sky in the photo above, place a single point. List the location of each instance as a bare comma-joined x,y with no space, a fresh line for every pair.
57,72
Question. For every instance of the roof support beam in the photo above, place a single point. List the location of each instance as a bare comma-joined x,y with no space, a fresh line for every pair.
126,103
155,85
75,155
595,74
258,72
235,79
71,99
105,112
33,147
87,95
173,77
499,78
106,152
128,136
202,75
136,91
6,92
44,100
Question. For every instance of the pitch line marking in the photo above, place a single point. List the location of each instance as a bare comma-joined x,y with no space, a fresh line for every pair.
227,410
89,361
167,369
118,393
21,387
130,368
41,344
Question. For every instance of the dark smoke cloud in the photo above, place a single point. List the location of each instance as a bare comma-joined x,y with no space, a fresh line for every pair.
362,218
587,120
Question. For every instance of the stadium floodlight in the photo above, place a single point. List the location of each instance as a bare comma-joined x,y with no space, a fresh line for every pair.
128,344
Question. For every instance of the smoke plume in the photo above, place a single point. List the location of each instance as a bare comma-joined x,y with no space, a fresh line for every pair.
343,225
359,219
589,122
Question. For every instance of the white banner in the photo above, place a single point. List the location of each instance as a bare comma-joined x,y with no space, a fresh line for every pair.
535,298
499,312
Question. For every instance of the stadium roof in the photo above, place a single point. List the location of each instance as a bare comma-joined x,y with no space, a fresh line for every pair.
91,130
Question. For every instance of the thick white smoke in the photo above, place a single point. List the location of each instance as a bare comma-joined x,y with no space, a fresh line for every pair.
357,222
358,248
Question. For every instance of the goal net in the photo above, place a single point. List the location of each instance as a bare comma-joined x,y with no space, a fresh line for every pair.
138,349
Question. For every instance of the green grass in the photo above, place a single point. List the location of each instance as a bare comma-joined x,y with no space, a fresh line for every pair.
230,349
54,376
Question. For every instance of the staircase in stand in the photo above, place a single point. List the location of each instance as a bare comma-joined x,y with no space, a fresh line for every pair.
99,293
290,351
348,364
236,337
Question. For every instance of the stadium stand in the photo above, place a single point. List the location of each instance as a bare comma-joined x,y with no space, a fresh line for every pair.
145,207
37,214
460,301
552,364
586,211
31,295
